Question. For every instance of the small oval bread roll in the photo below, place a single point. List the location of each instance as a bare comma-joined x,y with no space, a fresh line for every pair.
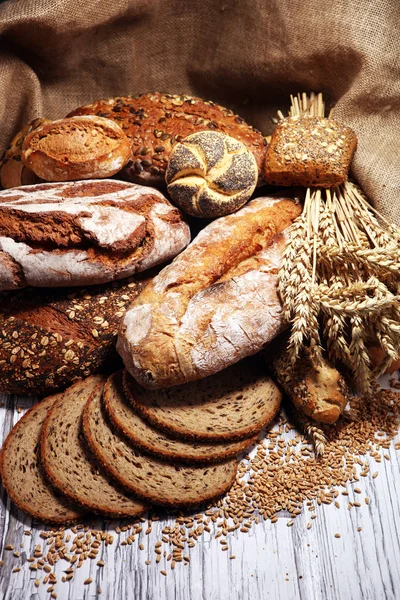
77,148
211,174
13,172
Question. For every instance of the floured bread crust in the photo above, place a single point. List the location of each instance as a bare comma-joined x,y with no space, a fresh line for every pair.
83,233
215,304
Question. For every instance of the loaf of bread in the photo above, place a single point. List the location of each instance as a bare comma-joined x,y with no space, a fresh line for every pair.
87,147
13,172
49,338
377,356
215,304
309,151
83,233
318,391
155,122
211,174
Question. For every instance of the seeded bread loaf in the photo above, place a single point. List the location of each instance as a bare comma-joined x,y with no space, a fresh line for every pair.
309,151
49,338
69,464
13,172
83,233
146,437
211,174
87,147
155,122
22,475
231,405
160,482
215,304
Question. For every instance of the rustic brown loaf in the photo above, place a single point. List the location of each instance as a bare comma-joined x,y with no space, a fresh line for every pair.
86,147
148,438
211,174
83,233
50,338
22,474
13,172
377,355
69,464
215,304
231,405
309,151
155,122
170,484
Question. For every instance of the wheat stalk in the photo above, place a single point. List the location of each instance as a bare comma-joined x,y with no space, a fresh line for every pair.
341,268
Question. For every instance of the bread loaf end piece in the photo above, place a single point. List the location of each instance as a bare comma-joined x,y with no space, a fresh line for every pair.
319,391
309,151
215,304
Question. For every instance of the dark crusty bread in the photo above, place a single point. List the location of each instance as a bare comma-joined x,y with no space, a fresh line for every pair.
211,174
231,405
23,476
169,484
13,172
87,147
83,233
155,122
51,337
309,151
123,416
216,303
68,463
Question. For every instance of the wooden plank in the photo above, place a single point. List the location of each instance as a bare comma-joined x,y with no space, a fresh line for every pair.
272,560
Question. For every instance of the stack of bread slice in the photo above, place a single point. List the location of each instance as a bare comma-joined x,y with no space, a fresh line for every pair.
110,447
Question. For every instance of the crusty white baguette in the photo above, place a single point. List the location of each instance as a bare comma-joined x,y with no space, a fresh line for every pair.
215,304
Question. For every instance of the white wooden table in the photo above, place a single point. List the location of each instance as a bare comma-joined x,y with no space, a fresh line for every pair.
272,560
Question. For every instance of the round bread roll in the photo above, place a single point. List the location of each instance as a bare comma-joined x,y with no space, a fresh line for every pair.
211,174
87,147
13,172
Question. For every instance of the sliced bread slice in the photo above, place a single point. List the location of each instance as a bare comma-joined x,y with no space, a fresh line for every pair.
22,474
156,480
69,464
127,421
231,405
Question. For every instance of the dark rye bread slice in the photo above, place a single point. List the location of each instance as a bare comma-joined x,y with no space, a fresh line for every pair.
126,420
49,338
22,475
69,464
231,405
161,482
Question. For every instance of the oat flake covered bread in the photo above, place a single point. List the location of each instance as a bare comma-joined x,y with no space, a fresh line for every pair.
83,233
215,304
22,475
161,482
155,122
69,464
51,337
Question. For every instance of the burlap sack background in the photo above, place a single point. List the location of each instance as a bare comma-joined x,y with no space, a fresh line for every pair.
248,54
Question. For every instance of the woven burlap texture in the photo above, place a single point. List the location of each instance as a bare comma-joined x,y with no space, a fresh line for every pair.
247,54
